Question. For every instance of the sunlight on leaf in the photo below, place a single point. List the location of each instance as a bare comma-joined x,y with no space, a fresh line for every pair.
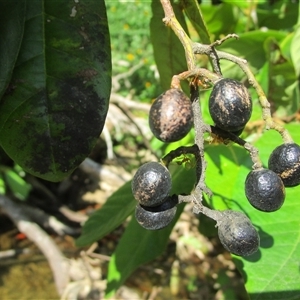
274,267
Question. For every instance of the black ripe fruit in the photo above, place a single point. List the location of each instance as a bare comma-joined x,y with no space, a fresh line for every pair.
151,184
237,234
264,190
158,217
230,105
285,161
171,116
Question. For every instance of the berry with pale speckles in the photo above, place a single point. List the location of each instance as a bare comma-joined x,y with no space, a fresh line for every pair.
171,116
230,105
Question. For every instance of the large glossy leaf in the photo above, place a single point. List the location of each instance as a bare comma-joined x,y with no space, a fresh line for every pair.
168,51
139,246
52,117
12,18
273,272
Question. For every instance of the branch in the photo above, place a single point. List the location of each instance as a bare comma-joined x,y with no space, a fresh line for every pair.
91,167
171,21
58,263
257,163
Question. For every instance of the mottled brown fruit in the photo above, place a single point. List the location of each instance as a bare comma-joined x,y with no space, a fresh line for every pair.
171,116
151,184
237,234
264,190
158,217
230,105
285,161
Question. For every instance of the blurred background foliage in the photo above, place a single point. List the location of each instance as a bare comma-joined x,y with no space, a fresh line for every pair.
130,44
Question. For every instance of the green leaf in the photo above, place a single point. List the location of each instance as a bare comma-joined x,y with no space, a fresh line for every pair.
193,11
168,51
283,86
19,187
250,46
295,47
12,18
52,118
137,245
220,19
2,185
263,77
274,270
279,15
113,213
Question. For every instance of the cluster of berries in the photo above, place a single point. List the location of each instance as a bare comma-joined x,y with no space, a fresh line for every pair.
230,106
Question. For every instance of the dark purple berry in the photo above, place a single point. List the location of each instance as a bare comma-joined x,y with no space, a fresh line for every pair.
230,105
237,234
171,116
264,190
151,184
285,161
158,217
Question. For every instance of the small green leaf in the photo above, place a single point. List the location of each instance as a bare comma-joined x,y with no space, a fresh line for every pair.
116,209
283,86
279,15
19,187
12,19
263,76
2,185
168,51
220,19
193,11
52,118
295,47
274,269
295,51
250,46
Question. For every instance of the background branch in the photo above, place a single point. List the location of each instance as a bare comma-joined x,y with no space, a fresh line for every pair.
58,263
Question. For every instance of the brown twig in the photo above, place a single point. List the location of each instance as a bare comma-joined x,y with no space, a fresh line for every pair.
257,163
57,262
